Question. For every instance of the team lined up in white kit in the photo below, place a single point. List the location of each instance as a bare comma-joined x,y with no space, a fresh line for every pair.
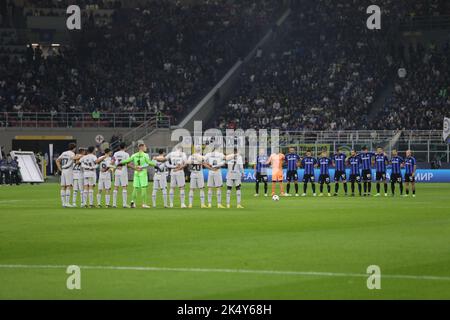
79,177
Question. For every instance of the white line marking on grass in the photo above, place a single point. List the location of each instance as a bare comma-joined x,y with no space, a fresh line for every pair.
210,270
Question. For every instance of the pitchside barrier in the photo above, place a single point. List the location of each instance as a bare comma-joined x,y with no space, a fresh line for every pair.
422,175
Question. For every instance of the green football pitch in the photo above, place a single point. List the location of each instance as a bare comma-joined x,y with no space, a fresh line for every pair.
296,248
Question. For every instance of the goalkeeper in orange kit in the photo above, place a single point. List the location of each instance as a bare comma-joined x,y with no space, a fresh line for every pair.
276,161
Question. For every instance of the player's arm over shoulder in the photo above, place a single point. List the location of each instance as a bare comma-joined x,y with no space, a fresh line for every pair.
148,161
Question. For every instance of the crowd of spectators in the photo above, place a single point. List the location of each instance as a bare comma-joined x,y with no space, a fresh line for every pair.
326,71
157,58
420,97
63,4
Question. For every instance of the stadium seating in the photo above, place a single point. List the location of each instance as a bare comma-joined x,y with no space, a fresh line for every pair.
421,99
326,72
157,58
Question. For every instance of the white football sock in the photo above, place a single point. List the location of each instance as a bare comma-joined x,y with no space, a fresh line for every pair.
154,197
63,197
182,196
74,196
114,198
91,197
228,197
164,192
219,196
124,197
238,196
83,197
191,196
107,198
210,196
99,198
202,197
171,196
67,196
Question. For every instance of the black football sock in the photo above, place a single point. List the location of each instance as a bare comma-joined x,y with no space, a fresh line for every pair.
345,187
359,188
393,187
321,188
296,188
265,187
385,187
352,186
305,186
370,187
407,190
288,187
365,187
314,187
336,187
401,188
257,187
328,188
378,187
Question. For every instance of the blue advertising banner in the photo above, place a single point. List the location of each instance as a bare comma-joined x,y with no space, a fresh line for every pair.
422,175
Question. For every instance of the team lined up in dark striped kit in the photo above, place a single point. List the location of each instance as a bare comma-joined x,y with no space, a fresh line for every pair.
360,165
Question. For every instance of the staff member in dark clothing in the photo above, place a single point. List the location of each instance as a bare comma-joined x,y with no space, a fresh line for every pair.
4,171
14,171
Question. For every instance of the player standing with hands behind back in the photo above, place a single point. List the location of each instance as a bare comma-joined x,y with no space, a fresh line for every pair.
380,163
292,159
276,160
260,168
324,177
339,174
410,173
309,163
366,163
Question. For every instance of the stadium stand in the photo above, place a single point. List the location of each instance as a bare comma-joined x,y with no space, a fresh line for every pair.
159,58
324,72
420,99
327,70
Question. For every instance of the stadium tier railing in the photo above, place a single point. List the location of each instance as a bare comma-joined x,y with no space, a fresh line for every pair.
141,131
78,120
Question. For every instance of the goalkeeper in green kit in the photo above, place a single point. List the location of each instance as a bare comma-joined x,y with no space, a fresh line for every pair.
141,161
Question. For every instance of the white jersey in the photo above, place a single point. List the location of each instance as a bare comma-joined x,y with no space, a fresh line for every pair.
88,163
105,166
235,166
160,176
118,157
66,159
215,159
161,169
77,171
195,162
174,159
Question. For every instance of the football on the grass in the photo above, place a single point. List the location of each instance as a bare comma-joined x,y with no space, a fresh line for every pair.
275,197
